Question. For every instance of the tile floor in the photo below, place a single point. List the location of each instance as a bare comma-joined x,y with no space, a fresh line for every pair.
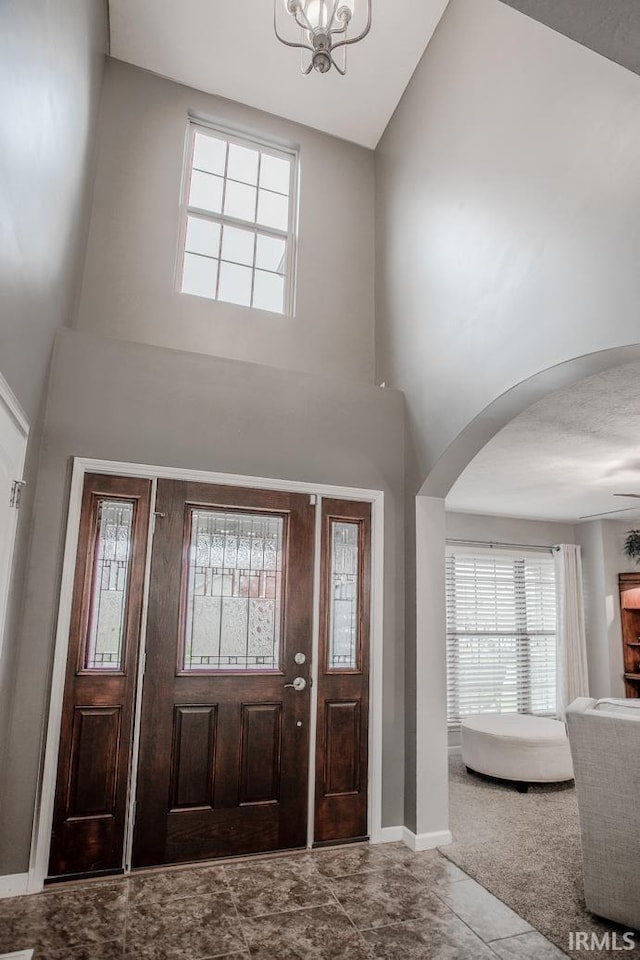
354,903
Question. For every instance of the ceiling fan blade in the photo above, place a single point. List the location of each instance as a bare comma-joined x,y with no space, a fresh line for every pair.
636,495
592,516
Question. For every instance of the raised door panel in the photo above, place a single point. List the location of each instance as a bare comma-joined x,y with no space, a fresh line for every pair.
261,752
95,745
342,748
194,756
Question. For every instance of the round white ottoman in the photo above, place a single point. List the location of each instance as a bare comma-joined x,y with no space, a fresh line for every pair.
517,747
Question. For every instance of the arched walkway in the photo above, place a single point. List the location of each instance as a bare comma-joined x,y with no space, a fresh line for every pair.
427,804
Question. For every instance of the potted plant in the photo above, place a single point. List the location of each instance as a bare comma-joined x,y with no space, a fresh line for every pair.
632,545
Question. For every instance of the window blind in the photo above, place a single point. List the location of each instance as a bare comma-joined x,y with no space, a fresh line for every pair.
501,643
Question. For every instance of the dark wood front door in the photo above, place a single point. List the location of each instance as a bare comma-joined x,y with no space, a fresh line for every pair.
224,739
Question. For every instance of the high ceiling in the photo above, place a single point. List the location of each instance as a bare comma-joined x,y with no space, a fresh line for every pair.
228,47
610,27
565,457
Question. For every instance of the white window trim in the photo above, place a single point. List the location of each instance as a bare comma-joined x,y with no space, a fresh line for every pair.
290,235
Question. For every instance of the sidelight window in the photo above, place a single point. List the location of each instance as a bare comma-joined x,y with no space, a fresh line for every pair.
104,647
239,221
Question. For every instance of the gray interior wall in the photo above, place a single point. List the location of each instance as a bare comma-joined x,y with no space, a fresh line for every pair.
51,67
507,216
542,533
136,403
603,558
129,288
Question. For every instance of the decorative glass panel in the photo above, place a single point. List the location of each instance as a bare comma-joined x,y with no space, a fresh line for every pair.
104,648
233,614
343,611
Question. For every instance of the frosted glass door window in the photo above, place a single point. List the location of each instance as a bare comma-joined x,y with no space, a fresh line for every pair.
104,647
233,597
344,612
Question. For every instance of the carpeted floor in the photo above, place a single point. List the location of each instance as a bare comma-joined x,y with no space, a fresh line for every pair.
525,849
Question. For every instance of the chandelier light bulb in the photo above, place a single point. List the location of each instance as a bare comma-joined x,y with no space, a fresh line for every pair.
318,28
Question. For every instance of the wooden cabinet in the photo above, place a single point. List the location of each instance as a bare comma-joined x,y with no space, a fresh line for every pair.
629,584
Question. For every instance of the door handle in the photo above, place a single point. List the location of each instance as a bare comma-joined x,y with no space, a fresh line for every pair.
298,684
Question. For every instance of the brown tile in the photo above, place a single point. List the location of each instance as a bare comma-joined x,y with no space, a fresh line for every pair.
177,884
317,933
387,896
273,886
111,950
63,919
187,929
443,937
340,862
432,869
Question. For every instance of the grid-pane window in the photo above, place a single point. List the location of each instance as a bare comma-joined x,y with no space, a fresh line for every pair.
501,634
239,221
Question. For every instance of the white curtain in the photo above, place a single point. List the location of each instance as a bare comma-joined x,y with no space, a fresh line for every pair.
571,647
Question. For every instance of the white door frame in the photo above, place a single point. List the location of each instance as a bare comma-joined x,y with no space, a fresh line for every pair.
43,821
17,416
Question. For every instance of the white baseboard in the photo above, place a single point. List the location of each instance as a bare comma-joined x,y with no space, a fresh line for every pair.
426,841
14,885
457,748
388,835
20,955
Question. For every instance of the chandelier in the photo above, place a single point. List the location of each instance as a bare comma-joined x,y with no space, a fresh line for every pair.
320,27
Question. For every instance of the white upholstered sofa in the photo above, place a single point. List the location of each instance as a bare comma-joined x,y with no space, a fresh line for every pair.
605,745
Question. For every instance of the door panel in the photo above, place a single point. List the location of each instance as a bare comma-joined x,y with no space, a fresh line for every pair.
343,672
224,743
97,714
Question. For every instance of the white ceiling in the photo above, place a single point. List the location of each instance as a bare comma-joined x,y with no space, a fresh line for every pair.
564,457
228,47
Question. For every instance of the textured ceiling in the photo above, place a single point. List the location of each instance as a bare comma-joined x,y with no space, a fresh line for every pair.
610,27
564,457
228,48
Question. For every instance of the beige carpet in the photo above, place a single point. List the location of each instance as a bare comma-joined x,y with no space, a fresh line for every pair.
525,849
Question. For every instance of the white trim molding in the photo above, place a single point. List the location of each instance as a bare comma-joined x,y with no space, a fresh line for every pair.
13,885
20,955
388,835
426,841
44,807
